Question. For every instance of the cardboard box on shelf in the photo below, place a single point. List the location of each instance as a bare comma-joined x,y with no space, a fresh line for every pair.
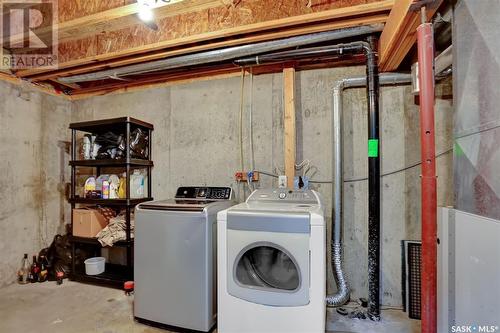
87,222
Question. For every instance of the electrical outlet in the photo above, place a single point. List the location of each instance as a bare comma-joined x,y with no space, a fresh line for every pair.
282,181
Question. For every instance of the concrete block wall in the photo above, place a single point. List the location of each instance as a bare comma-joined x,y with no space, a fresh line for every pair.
196,141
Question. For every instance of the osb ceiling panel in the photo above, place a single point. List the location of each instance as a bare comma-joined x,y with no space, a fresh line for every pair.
209,20
72,9
168,28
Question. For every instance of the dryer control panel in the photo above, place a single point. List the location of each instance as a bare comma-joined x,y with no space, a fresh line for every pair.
205,193
284,195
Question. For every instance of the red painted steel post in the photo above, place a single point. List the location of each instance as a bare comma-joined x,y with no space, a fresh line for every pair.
429,185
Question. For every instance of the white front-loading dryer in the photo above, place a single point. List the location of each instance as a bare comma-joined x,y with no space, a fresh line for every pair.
271,263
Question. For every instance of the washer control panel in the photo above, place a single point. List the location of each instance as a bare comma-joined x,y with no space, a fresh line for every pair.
206,193
283,195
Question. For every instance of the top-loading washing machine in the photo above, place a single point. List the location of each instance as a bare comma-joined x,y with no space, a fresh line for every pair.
271,263
175,258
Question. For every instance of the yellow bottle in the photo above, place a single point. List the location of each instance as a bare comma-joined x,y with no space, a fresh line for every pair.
122,189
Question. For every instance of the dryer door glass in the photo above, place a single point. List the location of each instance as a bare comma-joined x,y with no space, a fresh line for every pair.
267,267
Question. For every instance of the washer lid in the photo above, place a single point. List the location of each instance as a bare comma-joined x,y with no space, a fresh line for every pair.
192,198
178,204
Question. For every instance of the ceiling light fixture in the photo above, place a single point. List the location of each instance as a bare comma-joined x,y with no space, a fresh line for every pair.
145,11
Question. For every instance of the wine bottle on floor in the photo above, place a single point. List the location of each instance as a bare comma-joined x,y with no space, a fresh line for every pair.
24,271
35,270
44,273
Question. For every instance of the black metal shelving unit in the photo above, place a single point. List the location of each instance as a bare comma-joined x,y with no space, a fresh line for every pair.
114,275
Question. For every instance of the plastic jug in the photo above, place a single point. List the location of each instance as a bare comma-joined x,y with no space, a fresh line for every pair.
137,185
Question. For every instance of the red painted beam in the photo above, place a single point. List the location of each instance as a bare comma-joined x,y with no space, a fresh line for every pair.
428,182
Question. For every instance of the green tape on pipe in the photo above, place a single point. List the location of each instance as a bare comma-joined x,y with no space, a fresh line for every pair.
373,148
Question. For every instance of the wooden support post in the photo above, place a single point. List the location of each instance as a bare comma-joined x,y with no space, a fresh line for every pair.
289,114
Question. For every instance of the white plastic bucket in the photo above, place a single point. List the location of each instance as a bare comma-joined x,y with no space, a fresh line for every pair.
94,266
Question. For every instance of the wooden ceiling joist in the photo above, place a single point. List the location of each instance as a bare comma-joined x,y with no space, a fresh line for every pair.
399,34
335,17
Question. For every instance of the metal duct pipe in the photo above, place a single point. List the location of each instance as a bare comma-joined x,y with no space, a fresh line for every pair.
385,79
342,294
225,54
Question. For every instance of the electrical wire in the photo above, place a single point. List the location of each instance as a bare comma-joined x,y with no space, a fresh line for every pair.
364,178
250,184
352,180
270,174
250,120
477,132
242,98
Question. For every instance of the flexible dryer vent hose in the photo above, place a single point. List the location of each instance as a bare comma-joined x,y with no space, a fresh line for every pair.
342,295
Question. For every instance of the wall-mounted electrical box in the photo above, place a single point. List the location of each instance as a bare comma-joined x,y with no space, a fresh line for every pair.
282,181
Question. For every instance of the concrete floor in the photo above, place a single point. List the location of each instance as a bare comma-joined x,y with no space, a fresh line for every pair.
393,321
74,307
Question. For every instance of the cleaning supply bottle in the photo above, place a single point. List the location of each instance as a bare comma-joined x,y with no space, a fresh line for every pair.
90,186
137,185
114,185
105,189
122,189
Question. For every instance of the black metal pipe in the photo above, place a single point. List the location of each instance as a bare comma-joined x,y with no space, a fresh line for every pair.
311,52
372,91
